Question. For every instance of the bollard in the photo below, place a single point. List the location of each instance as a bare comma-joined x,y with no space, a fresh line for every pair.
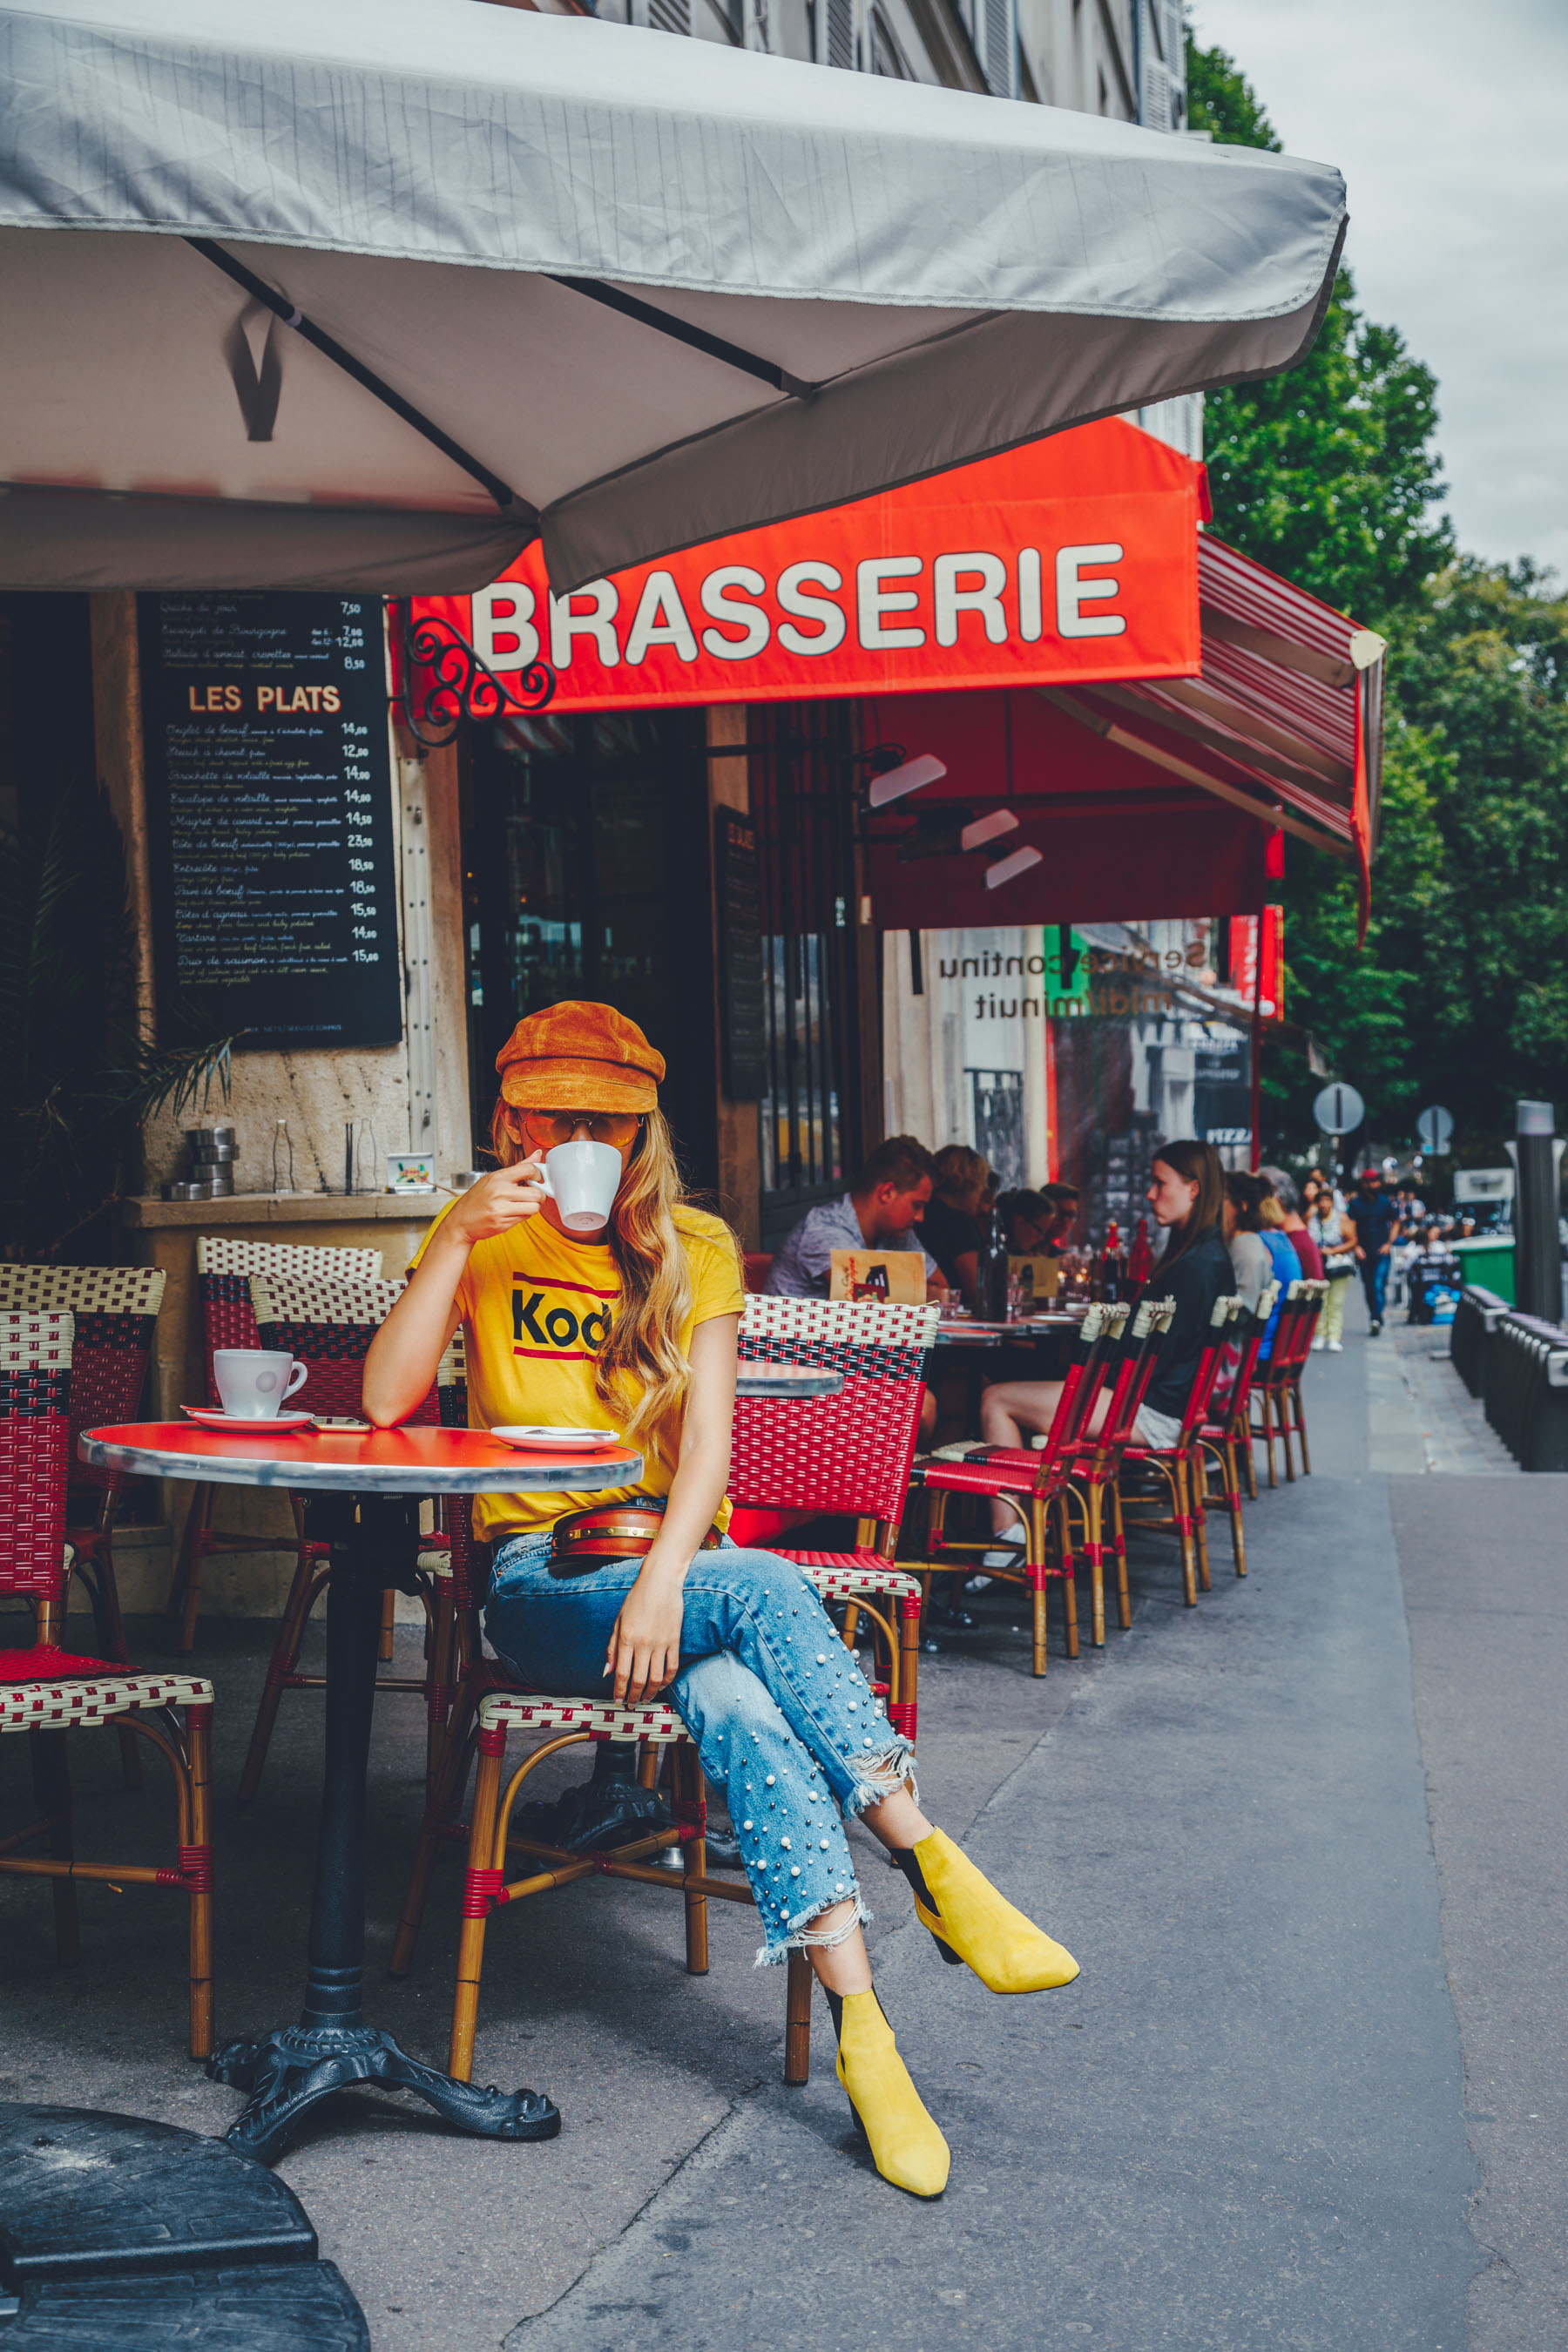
1537,1257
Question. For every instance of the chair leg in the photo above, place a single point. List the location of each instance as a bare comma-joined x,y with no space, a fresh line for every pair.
1282,1403
1184,1529
908,1667
1269,1433
199,1871
797,2019
1233,1505
1249,1462
693,1858
443,1798
1119,1539
308,1581
1301,1428
52,1792
476,1904
1197,1477
388,1620
1095,1548
185,1591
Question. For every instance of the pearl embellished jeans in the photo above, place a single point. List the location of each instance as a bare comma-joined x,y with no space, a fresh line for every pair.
783,1721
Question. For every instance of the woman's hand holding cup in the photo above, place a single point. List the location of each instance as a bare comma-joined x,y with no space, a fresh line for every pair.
501,1200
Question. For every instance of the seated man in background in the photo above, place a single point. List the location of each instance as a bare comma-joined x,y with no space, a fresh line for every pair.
883,1209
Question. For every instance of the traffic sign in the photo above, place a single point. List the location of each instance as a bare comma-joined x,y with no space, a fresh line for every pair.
1435,1129
1339,1109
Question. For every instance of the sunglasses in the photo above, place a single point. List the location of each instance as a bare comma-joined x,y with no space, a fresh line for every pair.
549,1127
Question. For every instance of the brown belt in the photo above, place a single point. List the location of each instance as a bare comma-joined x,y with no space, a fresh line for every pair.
584,1540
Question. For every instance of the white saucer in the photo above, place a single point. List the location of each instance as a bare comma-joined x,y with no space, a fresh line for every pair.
566,1441
257,1424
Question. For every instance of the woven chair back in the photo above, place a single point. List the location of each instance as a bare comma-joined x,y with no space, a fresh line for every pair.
1231,1408
34,1450
329,1326
1206,1370
224,1269
452,1401
1141,1348
848,1453
1292,1334
1095,1354
116,1312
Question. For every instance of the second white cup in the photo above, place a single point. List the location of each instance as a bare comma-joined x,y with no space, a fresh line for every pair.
254,1381
583,1180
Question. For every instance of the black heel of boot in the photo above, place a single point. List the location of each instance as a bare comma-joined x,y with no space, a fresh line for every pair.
916,1877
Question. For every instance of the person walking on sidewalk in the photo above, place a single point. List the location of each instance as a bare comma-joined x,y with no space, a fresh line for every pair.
1376,1221
644,1340
1335,1237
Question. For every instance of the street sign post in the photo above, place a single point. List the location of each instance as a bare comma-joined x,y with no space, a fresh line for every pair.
1339,1109
1435,1129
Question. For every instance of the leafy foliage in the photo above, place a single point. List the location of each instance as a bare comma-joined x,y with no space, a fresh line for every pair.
1328,475
75,1078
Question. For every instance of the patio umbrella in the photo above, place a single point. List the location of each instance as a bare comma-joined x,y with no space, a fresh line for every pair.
369,296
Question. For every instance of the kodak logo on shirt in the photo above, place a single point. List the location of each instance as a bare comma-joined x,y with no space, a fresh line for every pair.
565,1319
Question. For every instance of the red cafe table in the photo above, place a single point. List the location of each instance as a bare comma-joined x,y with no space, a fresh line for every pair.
364,1488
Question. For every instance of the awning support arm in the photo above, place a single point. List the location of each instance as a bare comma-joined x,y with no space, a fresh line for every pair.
260,291
697,339
1125,740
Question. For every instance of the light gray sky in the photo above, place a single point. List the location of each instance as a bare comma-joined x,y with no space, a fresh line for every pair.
1450,120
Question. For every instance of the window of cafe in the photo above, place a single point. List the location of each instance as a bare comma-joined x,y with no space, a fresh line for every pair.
586,873
803,775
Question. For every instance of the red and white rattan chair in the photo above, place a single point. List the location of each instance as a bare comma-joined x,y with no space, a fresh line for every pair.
1225,1438
116,1312
1276,1388
328,1326
224,1269
48,1693
1034,1484
1178,1465
847,1455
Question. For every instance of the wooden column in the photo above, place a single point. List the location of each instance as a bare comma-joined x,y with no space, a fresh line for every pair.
117,739
739,1156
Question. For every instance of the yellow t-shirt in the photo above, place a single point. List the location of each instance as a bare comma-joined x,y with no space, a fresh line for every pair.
536,1310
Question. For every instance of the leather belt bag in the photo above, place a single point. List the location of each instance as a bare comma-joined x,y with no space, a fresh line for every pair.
584,1540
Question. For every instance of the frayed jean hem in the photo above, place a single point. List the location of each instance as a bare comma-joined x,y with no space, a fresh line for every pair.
801,1937
897,1761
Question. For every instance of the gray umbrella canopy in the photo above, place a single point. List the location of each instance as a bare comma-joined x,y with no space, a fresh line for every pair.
367,294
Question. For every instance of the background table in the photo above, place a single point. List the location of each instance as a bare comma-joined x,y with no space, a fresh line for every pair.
365,1488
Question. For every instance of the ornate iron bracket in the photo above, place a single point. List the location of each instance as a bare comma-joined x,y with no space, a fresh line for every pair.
442,681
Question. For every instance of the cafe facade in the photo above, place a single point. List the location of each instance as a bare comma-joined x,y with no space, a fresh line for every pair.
753,795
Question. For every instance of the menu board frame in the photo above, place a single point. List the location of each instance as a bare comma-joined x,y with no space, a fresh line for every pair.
271,821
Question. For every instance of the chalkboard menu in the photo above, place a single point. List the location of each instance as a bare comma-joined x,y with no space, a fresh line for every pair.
741,959
1222,1090
269,809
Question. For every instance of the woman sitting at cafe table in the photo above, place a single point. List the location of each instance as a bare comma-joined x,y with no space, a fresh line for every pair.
783,1720
1186,1195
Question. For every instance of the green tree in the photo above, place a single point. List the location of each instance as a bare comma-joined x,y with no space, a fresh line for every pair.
1327,474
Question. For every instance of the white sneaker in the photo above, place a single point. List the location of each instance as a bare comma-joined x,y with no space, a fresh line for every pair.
1317,1344
1336,1347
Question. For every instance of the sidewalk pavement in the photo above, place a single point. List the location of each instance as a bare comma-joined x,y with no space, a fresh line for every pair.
1244,2126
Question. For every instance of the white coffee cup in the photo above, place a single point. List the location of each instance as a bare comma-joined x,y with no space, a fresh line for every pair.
583,1180
254,1381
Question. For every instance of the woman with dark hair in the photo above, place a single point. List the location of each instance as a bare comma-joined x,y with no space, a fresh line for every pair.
950,1230
1250,1253
1186,1194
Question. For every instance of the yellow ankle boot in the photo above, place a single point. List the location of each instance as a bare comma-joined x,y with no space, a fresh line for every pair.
971,1922
905,2146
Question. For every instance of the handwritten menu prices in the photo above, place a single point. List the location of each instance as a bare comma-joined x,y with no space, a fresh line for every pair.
270,812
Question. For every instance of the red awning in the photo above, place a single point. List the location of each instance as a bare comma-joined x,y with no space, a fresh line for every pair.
1153,797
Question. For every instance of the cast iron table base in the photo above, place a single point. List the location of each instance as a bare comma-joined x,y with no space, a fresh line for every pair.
374,1542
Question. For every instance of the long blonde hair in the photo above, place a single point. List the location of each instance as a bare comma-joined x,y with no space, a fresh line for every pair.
642,1351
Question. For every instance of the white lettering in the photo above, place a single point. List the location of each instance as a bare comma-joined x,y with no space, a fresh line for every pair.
565,624
504,634
723,607
1073,591
950,599
1029,620
872,600
661,620
831,633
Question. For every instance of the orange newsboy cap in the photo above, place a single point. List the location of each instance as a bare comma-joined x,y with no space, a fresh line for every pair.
578,1057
